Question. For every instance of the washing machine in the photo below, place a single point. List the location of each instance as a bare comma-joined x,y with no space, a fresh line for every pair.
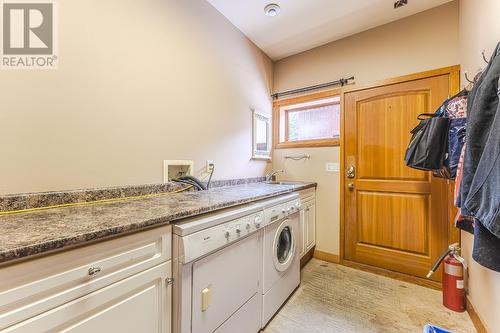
281,262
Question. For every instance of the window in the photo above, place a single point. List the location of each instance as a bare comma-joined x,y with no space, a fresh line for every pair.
308,124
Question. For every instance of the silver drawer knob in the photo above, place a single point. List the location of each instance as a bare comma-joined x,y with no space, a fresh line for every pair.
94,271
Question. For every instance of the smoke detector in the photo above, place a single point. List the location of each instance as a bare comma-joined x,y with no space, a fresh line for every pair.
400,3
272,10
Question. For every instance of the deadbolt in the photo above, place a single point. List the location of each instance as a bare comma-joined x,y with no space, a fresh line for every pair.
351,171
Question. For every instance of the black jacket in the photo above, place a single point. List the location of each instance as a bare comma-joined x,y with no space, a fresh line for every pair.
480,197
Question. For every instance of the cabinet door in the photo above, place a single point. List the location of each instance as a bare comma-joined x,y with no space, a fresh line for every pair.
34,287
140,303
301,246
311,226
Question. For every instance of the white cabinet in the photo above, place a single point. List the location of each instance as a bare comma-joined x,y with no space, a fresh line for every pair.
307,239
303,231
120,285
136,304
310,224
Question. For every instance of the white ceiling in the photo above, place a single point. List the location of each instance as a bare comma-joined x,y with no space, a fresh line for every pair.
305,24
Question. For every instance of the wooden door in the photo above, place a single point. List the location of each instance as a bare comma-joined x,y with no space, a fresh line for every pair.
395,217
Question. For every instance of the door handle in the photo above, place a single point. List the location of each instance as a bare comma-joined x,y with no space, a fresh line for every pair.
350,186
351,171
206,298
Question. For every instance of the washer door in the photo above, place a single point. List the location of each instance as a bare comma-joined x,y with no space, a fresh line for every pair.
284,246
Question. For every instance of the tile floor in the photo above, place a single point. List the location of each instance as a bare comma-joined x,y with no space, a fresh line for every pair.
338,299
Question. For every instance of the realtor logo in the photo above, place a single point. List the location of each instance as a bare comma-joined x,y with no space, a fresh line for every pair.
28,35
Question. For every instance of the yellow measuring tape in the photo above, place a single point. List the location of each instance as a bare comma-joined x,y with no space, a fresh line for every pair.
76,204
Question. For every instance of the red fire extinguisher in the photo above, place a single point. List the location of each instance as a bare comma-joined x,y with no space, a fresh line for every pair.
453,278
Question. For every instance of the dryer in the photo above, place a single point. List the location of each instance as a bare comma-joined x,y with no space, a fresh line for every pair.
281,262
217,269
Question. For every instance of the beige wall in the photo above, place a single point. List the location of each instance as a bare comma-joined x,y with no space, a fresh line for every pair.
421,42
138,82
480,29
327,192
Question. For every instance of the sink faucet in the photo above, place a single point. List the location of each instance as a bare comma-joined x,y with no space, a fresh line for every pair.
271,174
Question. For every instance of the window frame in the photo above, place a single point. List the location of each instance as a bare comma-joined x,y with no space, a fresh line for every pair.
261,154
277,117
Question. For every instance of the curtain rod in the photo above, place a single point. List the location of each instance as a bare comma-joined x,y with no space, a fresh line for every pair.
341,82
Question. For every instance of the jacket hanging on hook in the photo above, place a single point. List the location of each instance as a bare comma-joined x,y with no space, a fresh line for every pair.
480,187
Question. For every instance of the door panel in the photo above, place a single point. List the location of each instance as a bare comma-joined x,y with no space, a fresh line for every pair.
383,227
302,229
395,217
311,226
382,128
227,278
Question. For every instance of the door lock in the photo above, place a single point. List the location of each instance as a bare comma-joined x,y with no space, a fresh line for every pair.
351,171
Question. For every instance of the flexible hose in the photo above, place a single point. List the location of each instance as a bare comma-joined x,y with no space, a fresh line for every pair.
438,262
194,180
189,182
210,178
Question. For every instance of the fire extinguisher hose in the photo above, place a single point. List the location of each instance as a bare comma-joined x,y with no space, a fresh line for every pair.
438,262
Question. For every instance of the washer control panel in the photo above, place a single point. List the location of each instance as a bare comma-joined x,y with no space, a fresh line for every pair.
205,241
281,211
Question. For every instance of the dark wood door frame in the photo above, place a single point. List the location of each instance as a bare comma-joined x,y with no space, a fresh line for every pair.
453,73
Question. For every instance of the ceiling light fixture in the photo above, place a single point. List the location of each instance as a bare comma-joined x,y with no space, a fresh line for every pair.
272,10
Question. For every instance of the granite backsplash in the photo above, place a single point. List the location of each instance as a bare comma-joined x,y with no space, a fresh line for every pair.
15,202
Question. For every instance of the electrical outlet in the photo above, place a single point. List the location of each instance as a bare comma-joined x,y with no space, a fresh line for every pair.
210,165
332,167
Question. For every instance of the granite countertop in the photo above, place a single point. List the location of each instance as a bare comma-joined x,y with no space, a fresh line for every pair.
34,233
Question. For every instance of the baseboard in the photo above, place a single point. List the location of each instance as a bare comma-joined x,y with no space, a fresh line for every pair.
326,256
307,257
394,275
476,320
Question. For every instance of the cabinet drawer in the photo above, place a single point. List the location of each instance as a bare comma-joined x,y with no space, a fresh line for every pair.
307,194
304,204
136,304
30,288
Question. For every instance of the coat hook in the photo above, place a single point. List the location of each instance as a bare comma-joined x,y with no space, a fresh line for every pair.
484,57
467,78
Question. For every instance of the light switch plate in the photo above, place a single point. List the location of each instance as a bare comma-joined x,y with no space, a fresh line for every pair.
332,167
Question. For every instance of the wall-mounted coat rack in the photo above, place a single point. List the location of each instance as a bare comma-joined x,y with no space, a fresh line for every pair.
466,73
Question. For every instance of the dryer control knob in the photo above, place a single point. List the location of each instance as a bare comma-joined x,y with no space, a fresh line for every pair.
226,234
249,226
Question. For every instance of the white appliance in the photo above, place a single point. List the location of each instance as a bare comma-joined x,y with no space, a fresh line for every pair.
281,262
217,270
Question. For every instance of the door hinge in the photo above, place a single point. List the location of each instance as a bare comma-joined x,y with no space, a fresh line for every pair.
169,281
